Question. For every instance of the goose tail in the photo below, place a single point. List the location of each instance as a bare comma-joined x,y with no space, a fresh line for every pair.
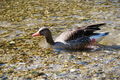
98,37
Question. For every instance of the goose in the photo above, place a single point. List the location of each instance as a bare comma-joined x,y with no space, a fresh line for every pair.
74,39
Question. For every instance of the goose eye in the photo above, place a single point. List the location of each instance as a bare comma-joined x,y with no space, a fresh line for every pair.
41,32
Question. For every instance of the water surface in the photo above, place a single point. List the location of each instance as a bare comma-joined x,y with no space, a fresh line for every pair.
25,57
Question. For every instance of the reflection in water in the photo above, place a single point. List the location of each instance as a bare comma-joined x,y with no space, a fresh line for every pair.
112,47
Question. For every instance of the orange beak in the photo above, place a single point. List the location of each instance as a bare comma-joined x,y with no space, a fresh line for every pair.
36,34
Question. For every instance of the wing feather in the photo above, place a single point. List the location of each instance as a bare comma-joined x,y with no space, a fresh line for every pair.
83,31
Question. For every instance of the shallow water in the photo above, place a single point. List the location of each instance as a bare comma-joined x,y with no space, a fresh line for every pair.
25,57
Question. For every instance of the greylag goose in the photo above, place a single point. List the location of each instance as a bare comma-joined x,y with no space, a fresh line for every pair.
76,39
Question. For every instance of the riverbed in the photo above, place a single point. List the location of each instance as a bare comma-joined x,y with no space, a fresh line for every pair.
23,57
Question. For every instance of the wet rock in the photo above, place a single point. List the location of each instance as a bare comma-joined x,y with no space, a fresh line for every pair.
12,42
74,70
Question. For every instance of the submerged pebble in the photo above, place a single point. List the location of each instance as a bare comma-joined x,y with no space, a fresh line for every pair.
12,42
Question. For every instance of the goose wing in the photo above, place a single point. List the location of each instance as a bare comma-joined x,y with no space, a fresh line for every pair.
80,32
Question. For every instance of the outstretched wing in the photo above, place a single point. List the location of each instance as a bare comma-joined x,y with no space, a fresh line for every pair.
82,31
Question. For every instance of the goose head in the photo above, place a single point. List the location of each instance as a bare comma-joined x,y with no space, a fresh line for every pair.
42,32
45,32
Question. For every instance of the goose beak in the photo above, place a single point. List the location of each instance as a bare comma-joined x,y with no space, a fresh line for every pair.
36,34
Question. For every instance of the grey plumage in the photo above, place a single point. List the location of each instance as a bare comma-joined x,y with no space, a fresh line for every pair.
78,38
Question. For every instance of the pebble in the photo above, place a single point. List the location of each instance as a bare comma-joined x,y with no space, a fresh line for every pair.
12,42
72,70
